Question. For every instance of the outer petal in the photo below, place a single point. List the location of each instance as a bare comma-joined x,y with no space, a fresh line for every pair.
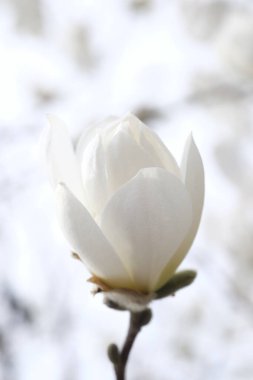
88,241
145,221
193,175
61,160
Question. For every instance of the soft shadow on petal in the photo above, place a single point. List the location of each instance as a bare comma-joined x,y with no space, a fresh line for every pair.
110,160
60,157
95,175
145,221
113,151
88,241
151,143
124,158
91,131
193,176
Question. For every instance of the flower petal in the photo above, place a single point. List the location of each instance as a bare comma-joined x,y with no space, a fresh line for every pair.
60,157
151,143
193,176
132,157
91,132
145,221
88,241
102,170
95,176
138,148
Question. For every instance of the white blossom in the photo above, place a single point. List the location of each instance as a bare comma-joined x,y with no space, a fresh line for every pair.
125,206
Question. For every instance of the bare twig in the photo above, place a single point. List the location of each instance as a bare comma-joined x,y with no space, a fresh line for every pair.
120,358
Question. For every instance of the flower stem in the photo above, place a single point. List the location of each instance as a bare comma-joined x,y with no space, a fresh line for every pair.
119,359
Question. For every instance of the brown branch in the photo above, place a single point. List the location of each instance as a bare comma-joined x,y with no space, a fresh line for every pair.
119,359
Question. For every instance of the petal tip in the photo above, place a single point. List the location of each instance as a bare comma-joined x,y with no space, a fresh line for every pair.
55,123
191,147
61,185
130,117
62,191
190,141
51,118
62,188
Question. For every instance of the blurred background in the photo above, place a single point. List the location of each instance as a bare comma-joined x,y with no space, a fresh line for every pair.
181,66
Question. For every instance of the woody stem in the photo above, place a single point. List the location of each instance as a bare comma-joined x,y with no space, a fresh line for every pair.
137,321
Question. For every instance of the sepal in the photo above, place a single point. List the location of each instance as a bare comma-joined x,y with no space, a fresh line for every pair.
175,283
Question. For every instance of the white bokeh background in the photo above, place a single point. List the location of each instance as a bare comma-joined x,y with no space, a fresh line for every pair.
181,66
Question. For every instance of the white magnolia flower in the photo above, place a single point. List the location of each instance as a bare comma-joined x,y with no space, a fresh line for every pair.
125,206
